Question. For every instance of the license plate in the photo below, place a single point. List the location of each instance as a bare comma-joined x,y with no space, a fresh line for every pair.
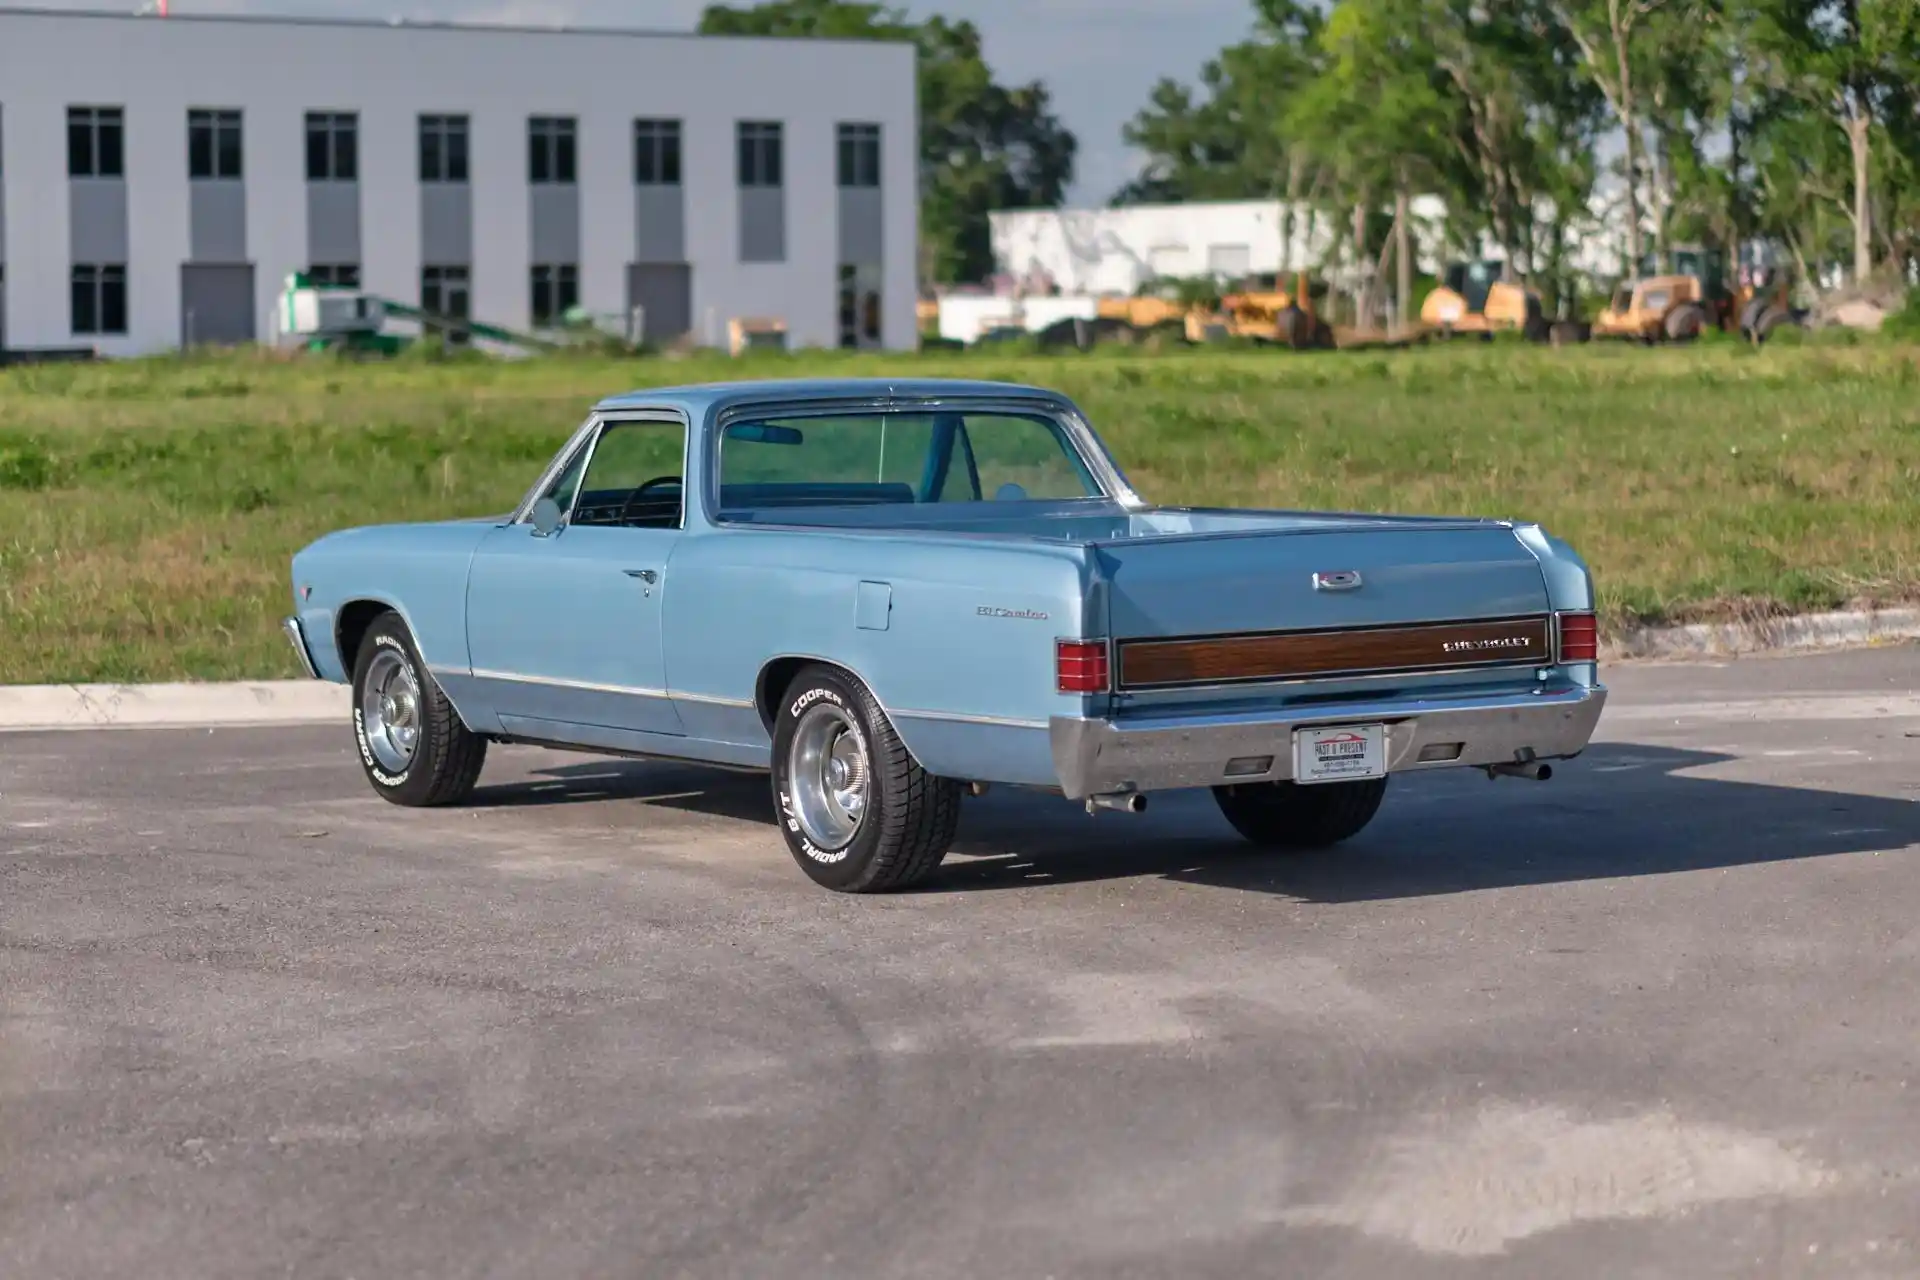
1339,753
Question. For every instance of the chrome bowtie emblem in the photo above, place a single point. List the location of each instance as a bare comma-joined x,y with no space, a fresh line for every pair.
1336,580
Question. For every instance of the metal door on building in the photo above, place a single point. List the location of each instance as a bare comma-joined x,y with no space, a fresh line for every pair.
216,304
662,292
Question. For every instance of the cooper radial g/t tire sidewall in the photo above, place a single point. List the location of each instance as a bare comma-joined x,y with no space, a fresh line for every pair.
908,816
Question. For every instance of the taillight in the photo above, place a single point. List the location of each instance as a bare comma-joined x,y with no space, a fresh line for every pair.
1081,666
1579,638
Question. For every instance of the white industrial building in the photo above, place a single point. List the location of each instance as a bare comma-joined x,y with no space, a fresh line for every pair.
160,177
1113,251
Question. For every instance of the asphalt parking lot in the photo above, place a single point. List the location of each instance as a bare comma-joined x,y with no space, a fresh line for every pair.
1656,1017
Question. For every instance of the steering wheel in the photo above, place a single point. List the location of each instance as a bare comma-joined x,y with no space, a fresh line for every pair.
635,495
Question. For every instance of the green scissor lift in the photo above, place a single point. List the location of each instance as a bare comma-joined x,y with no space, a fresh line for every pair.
322,317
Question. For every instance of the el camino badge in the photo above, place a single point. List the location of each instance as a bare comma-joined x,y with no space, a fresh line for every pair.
991,611
1336,580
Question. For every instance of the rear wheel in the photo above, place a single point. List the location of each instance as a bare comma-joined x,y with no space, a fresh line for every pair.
1770,319
1286,815
413,747
858,813
1684,323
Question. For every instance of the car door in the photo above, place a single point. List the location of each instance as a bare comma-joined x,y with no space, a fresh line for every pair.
563,622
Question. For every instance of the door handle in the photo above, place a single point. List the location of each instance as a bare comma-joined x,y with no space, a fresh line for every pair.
647,576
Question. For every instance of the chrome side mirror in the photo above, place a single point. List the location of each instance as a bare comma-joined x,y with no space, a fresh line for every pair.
546,517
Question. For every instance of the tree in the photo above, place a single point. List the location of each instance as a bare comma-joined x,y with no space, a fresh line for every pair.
1854,61
983,145
1616,39
1232,142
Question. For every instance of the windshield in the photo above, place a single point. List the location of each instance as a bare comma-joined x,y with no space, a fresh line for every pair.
861,459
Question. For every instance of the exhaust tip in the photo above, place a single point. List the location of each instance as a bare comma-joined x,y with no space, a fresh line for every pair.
1121,801
1536,770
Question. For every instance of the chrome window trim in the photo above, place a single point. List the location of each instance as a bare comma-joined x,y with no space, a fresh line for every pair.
1090,451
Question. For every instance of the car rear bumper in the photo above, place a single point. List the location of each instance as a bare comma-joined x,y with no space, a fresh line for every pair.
1155,753
297,637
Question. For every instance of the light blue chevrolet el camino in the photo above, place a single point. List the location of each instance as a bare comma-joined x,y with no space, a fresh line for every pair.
889,594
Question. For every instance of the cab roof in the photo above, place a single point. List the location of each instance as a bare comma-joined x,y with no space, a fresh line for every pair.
698,398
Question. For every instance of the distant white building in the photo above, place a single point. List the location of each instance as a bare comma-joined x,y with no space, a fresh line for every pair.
160,177
1115,251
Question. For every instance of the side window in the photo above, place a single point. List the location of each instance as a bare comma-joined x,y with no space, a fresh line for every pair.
632,479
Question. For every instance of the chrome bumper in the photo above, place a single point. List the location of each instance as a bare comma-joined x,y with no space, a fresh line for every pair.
1157,753
298,639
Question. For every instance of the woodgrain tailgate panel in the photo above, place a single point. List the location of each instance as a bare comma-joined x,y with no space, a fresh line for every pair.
1299,655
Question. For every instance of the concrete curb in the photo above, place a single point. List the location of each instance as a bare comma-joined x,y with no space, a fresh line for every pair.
171,706
1767,635
290,702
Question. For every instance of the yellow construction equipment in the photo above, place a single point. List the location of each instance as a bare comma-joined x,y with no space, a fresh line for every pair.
1263,312
1473,299
1159,310
1679,305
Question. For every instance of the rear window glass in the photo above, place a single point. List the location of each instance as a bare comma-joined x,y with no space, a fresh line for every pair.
869,458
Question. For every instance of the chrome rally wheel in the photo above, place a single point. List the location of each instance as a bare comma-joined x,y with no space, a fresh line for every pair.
390,710
829,771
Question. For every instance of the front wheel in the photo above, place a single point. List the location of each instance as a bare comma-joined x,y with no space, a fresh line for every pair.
858,813
1286,815
412,745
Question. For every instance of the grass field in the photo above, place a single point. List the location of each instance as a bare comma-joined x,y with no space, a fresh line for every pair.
147,509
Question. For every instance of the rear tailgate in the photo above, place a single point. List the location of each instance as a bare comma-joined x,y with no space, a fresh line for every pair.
1321,602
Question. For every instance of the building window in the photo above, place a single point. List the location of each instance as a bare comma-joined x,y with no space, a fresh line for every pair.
338,275
333,146
100,300
859,155
443,148
656,153
550,149
759,153
859,307
447,292
213,144
556,291
95,143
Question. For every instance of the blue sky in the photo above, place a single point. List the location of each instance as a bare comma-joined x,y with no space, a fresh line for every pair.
1099,57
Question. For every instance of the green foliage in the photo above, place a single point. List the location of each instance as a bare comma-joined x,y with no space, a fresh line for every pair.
1904,324
147,535
983,145
1793,122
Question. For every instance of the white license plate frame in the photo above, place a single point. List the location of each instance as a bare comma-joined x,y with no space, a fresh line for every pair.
1339,753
